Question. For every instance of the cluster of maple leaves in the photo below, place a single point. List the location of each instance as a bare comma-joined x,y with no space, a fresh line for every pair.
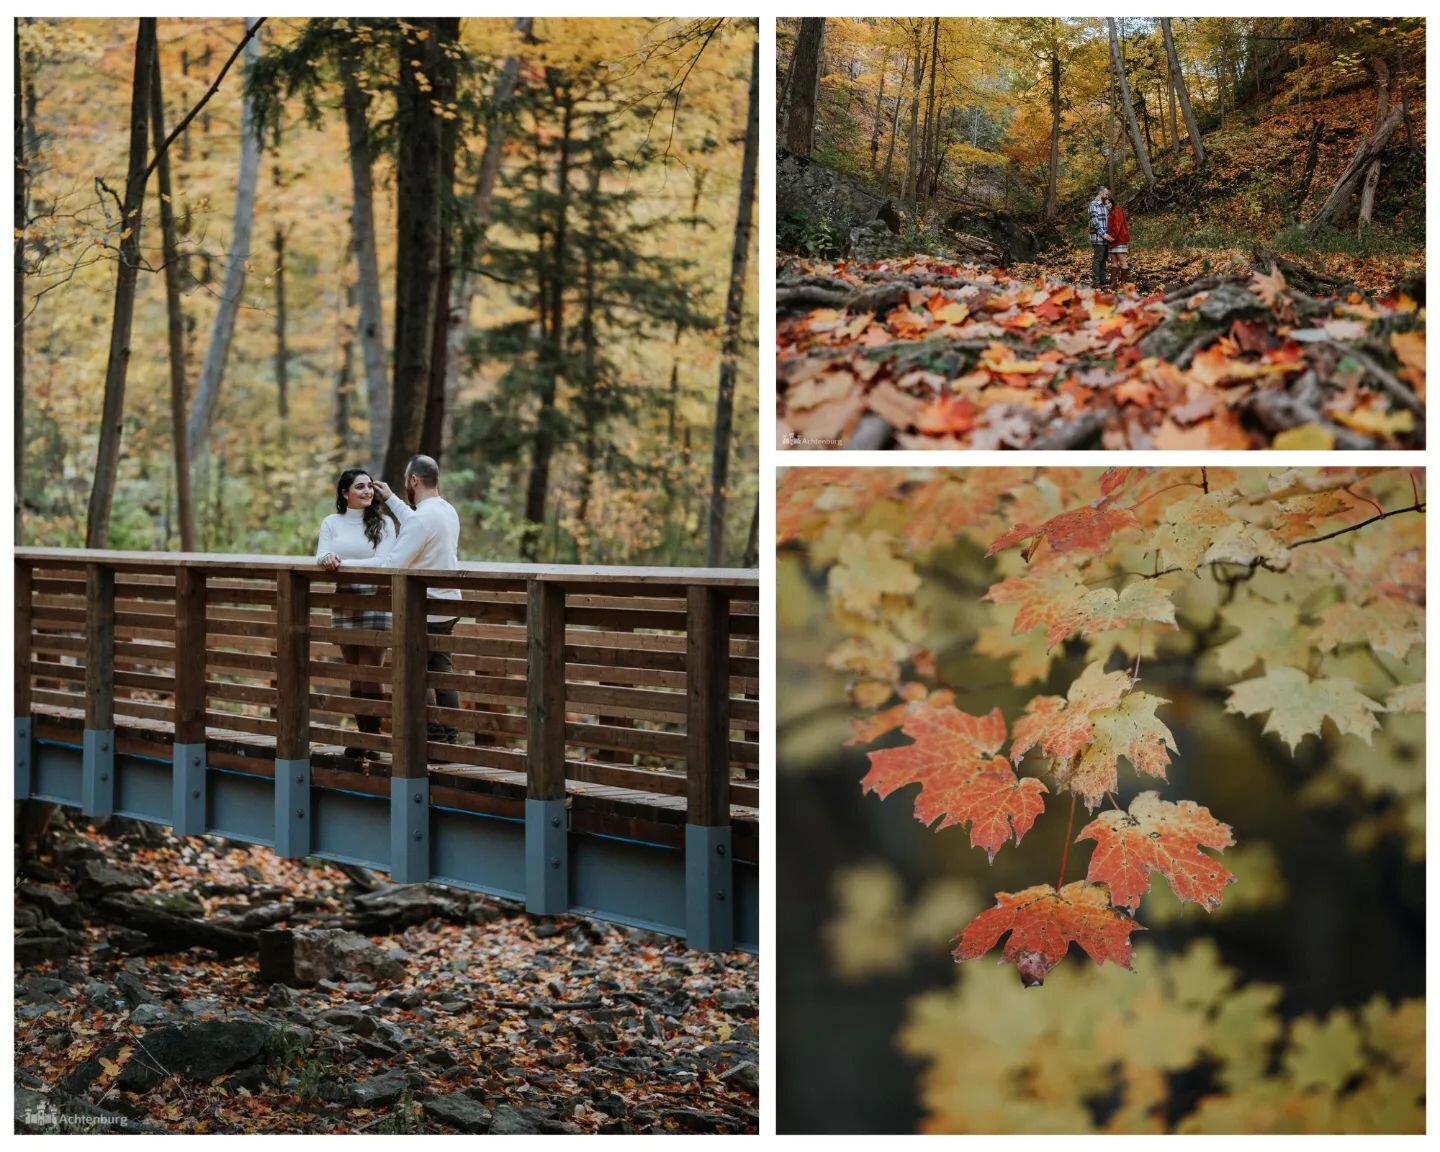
971,358
1240,528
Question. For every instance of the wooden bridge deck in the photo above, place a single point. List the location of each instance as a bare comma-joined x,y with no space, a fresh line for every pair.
595,704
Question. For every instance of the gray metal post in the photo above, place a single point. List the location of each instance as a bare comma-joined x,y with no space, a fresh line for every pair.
409,829
97,779
187,796
709,888
292,807
547,861
24,759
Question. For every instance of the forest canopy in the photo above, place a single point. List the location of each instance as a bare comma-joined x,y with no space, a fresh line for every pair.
583,348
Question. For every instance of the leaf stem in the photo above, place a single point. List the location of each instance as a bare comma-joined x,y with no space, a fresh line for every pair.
1065,850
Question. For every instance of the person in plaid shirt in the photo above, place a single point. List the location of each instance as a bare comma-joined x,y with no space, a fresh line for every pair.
1099,226
358,533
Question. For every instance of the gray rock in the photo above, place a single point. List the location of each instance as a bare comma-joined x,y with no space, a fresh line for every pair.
60,906
27,918
307,956
198,1052
822,205
401,998
510,1121
465,1114
280,996
42,990
55,1113
440,1058
595,1033
739,1003
1229,301
95,878
33,950
133,989
148,1015
745,1076
379,1091
347,1020
175,903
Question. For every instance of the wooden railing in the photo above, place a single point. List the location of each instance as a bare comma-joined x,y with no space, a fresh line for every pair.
638,685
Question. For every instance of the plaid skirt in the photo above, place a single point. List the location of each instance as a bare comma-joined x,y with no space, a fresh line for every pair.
353,618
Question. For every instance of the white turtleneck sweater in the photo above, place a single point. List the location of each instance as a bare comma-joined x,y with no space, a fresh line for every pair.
344,534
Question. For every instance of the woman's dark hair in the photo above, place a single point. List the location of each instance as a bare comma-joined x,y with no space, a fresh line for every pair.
374,518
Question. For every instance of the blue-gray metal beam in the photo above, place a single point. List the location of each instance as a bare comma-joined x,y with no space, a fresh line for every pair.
187,796
409,830
293,817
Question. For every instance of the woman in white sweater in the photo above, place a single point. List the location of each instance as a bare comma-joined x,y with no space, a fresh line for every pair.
358,533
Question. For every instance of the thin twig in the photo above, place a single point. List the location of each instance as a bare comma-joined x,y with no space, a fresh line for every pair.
1065,850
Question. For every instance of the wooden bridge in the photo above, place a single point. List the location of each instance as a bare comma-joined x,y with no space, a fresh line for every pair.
609,718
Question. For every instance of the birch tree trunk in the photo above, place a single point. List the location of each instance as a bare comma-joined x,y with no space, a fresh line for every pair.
1142,157
462,296
734,315
895,123
362,238
1177,81
117,367
212,371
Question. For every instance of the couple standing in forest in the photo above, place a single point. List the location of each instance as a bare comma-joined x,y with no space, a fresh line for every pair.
1109,239
421,531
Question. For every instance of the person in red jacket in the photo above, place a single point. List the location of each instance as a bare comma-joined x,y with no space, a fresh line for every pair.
1117,236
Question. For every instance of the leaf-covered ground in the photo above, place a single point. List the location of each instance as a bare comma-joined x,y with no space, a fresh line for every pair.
925,353
505,1022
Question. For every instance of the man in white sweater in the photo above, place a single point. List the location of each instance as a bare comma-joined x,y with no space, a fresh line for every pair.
429,538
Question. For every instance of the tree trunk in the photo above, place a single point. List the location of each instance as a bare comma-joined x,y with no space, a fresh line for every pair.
175,323
933,115
895,123
345,382
362,238
212,372
107,461
589,343
751,558
1345,186
1142,157
432,429
1382,109
1312,157
800,120
545,431
462,296
417,255
282,351
911,190
22,213
1177,81
734,314
1052,185
1110,138
875,131
1174,123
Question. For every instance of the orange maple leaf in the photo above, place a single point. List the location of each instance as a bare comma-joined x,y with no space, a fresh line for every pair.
1043,923
1078,528
962,780
1158,836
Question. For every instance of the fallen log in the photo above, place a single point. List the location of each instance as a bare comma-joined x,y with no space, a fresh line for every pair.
1076,433
1344,187
177,933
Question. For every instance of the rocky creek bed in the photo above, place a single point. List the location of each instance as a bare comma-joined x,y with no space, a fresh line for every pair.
199,985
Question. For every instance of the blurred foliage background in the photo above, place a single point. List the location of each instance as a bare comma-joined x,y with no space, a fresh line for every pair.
1296,1006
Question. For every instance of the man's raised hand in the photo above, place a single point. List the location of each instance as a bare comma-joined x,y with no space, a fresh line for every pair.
382,489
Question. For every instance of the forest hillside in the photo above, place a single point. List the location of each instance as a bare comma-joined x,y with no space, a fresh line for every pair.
1236,148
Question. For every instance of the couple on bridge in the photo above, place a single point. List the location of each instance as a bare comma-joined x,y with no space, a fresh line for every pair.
421,531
